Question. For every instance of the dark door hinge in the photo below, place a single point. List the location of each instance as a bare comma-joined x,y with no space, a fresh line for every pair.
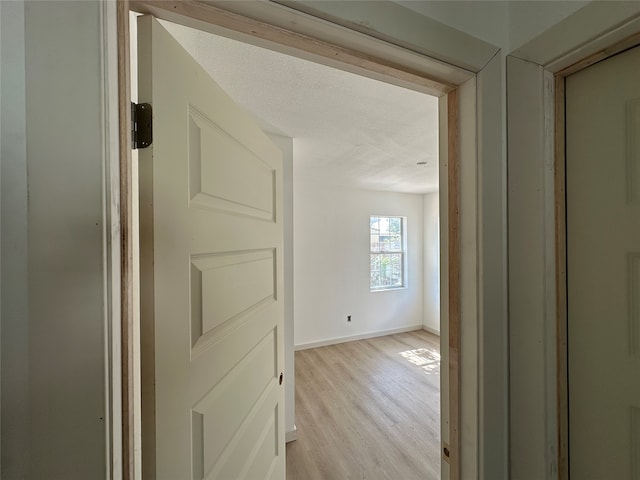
141,125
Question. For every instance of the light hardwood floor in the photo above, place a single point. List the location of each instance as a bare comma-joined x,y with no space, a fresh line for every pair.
368,410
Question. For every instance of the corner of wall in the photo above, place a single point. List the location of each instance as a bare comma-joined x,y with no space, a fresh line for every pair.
431,265
528,19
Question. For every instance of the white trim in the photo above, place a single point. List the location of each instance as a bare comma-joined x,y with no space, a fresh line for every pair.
292,435
492,271
589,30
351,338
415,33
111,239
433,331
528,237
618,34
470,283
386,50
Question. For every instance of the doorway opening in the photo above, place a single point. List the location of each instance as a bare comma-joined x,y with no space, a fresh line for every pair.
451,147
352,146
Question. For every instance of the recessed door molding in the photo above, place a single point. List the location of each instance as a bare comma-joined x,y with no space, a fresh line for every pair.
536,76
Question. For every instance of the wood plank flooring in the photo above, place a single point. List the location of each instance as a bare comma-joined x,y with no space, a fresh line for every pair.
368,410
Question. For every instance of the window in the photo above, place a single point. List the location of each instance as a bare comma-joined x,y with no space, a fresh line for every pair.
387,236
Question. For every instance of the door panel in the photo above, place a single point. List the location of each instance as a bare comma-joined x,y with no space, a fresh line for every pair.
211,277
603,268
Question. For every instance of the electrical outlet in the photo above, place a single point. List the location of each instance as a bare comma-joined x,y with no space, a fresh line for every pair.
348,318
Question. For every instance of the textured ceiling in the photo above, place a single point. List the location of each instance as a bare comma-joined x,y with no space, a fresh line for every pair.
348,130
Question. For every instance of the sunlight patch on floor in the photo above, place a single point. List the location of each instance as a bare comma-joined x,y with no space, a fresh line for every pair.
425,358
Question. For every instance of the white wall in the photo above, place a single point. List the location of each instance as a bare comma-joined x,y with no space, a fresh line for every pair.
484,20
66,224
54,416
14,298
505,24
528,19
431,269
331,263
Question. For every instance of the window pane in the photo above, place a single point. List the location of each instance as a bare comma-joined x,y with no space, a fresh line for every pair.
395,243
395,225
385,243
375,271
374,225
384,225
386,270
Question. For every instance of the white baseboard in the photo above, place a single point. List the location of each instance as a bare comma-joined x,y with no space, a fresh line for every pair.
351,338
292,435
431,330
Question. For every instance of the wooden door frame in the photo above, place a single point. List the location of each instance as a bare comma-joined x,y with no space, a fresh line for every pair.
561,236
127,287
460,210
537,72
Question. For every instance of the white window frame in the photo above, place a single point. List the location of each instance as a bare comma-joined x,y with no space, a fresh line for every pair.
402,252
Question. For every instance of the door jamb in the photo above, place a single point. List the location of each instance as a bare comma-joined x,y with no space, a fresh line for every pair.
130,453
362,63
560,212
451,452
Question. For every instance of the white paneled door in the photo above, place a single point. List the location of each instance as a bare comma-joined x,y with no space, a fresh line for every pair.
211,277
603,268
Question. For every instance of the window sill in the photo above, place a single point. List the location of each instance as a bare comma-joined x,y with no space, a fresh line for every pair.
387,289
